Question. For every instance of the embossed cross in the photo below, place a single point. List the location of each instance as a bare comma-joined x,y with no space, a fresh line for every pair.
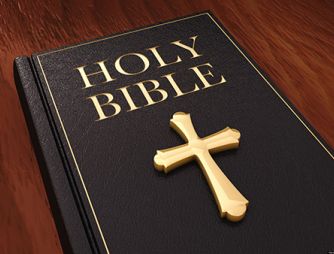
231,203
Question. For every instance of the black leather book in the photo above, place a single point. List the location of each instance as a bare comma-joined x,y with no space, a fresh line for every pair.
99,111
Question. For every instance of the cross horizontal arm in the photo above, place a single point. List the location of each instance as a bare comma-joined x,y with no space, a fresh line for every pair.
222,140
171,158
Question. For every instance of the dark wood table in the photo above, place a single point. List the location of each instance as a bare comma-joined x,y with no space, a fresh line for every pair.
293,41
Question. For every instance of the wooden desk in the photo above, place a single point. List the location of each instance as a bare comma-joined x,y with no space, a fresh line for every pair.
293,41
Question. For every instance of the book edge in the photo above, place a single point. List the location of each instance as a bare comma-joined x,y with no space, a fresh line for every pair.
275,89
71,231
271,84
259,70
128,31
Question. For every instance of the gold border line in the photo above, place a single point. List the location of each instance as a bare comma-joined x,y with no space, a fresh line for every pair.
76,164
142,29
277,93
63,127
125,33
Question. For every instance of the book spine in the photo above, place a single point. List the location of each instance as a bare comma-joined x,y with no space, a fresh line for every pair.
71,231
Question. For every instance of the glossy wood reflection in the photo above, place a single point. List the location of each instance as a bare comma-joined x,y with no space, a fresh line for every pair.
293,41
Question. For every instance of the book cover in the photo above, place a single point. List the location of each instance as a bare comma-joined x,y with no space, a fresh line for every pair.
243,171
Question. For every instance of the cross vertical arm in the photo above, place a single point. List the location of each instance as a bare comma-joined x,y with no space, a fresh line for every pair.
231,203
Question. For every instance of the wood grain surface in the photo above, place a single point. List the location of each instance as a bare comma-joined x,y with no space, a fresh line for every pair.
293,41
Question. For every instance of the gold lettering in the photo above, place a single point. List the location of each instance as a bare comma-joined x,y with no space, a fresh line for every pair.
186,47
128,98
147,93
159,58
98,105
175,86
203,75
120,69
85,76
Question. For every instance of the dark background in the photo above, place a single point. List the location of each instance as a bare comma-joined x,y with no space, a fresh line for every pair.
292,42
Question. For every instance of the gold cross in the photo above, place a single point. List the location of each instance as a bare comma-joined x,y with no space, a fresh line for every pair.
231,203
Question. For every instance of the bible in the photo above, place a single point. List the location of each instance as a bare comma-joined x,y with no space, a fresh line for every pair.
171,139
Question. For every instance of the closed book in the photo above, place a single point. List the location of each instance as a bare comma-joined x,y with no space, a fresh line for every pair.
170,139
